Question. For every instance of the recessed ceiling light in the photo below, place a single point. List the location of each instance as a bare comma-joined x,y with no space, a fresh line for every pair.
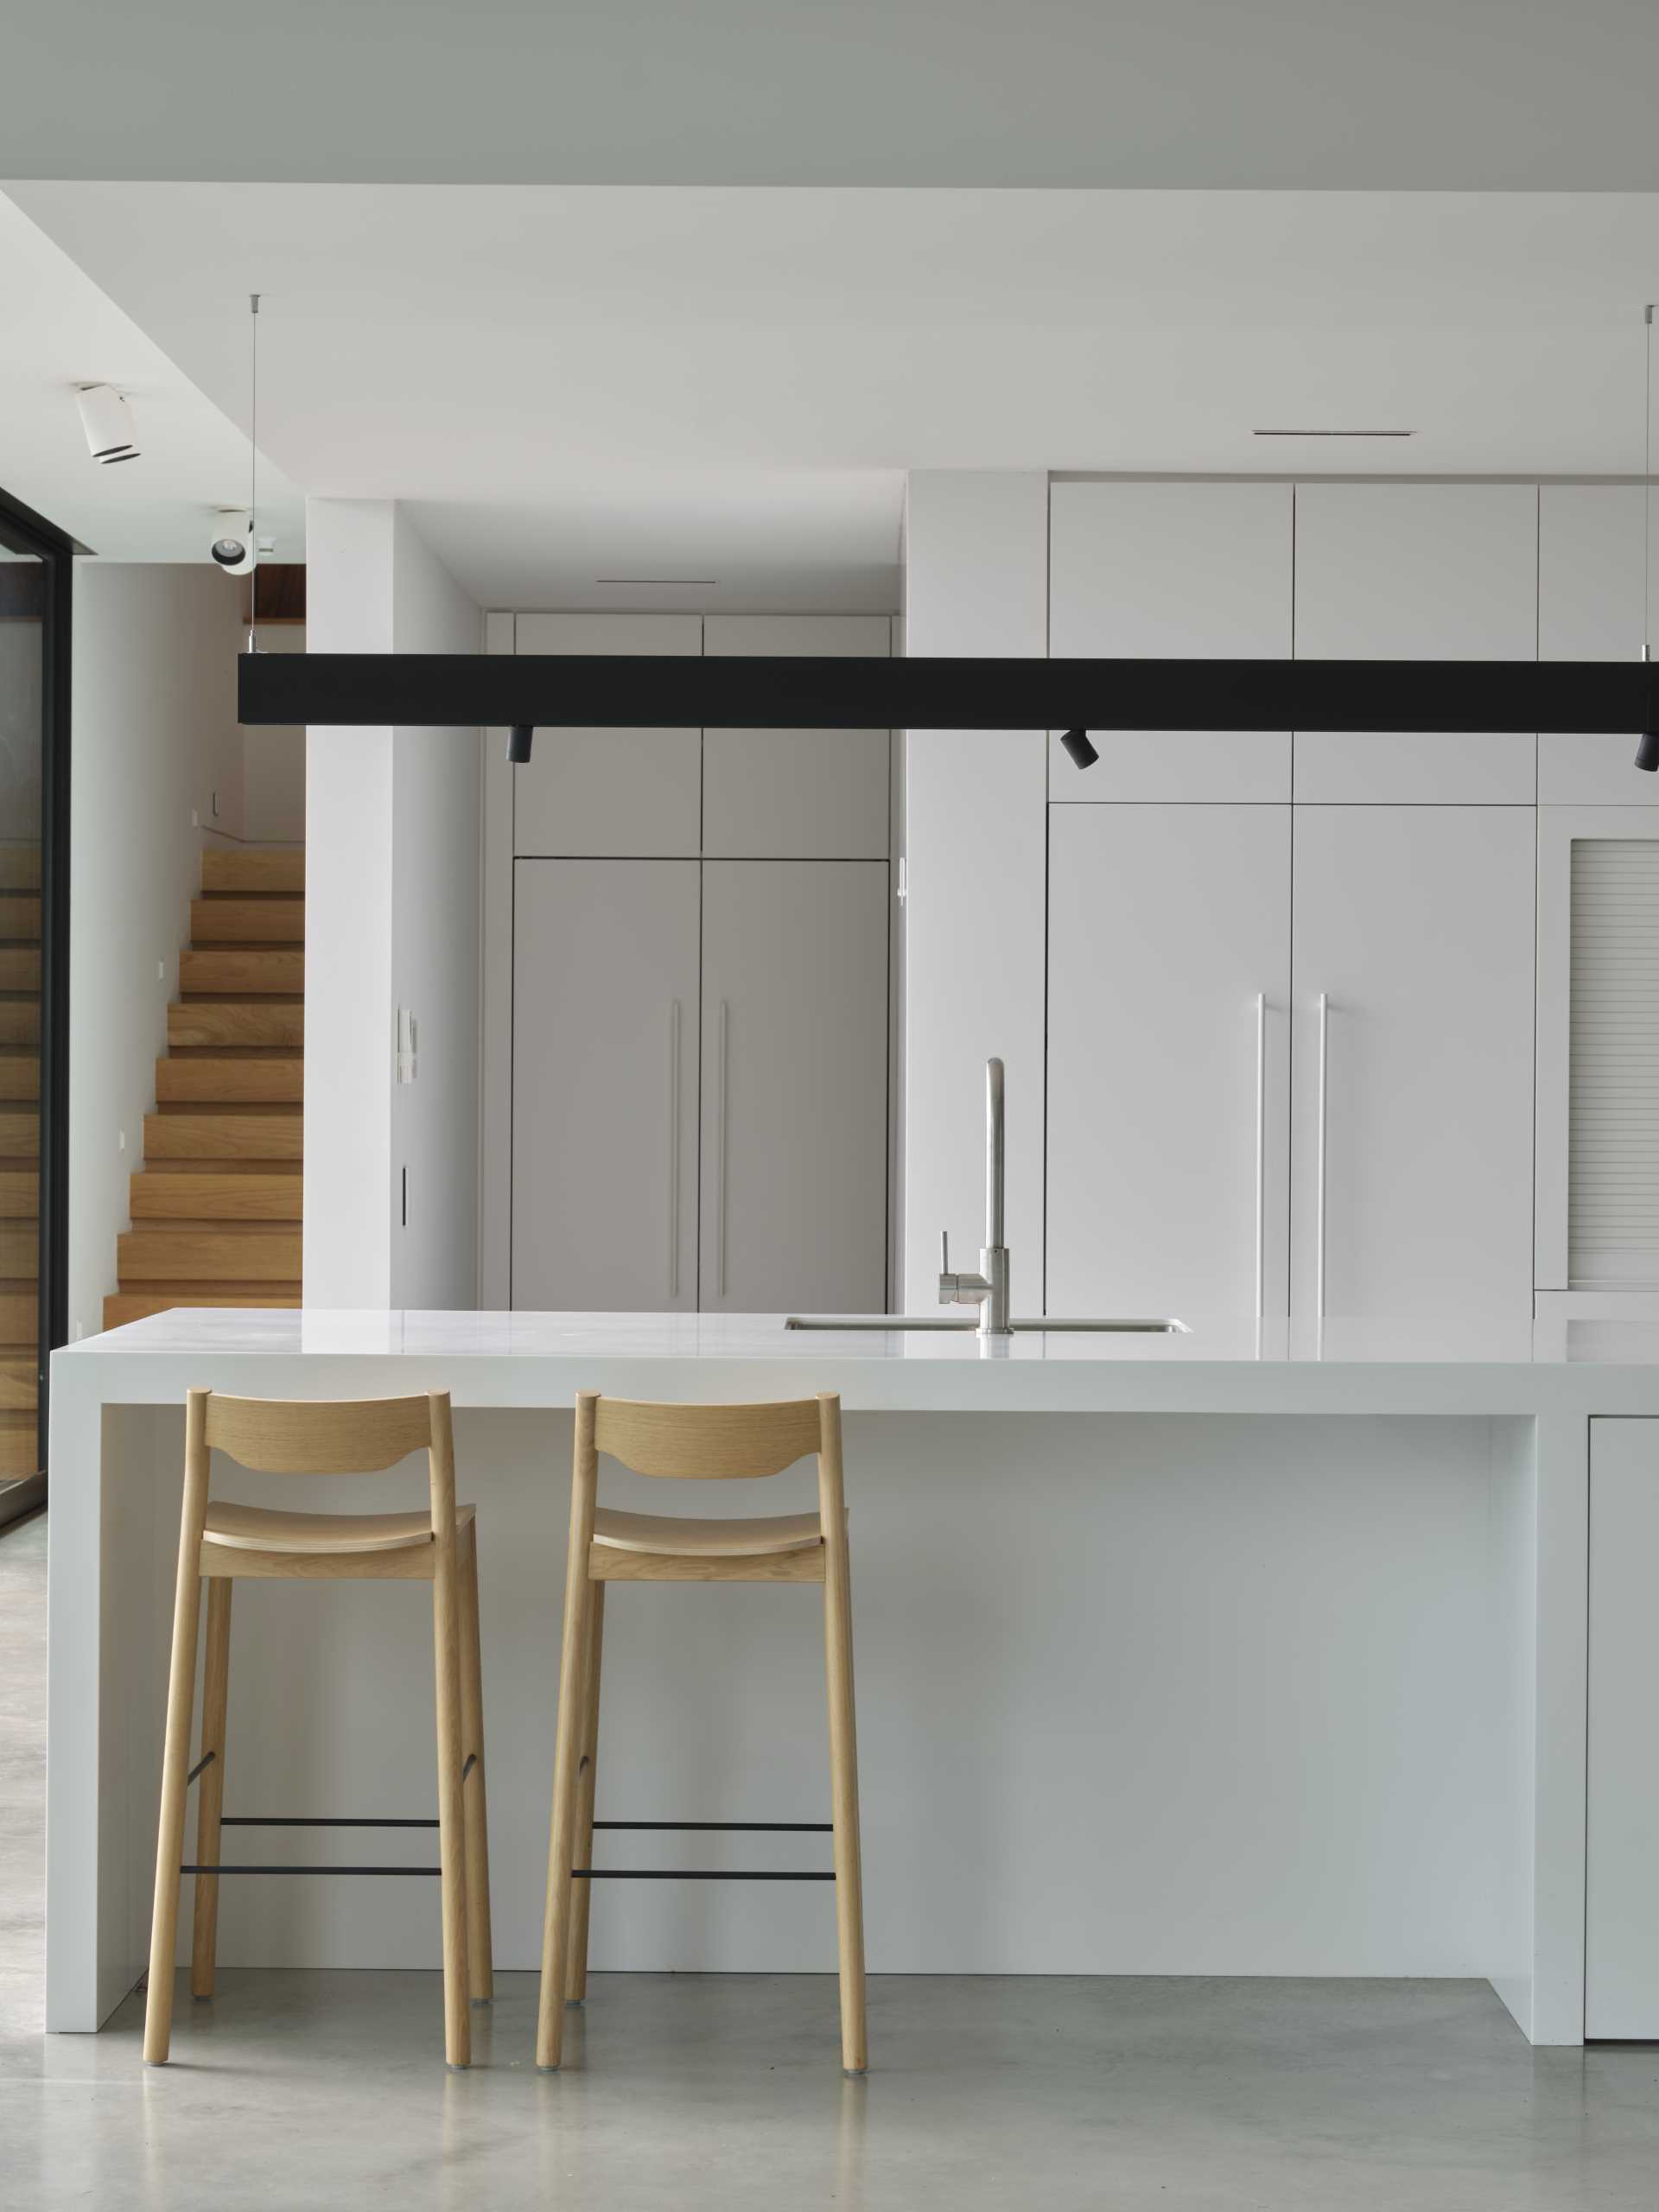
661,583
1333,433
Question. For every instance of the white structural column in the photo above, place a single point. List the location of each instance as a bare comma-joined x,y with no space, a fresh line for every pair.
348,870
392,855
975,802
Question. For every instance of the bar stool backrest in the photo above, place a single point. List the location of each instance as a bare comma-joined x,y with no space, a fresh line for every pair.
703,1443
346,1436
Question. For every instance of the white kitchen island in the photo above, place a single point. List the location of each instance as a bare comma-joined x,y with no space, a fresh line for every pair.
1216,1653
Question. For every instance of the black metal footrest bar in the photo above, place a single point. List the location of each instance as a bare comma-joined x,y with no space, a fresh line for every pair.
731,1827
310,1869
693,1874
206,1760
320,1820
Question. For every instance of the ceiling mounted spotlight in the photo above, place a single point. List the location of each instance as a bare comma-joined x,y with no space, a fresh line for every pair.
518,738
107,420
1078,748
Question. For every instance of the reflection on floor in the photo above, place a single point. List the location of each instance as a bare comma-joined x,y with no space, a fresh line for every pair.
720,2092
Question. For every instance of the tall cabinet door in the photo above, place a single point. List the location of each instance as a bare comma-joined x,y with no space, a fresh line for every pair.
1169,1022
1415,925
794,1086
605,1085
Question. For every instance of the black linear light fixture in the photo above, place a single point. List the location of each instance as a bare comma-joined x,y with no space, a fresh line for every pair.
1647,749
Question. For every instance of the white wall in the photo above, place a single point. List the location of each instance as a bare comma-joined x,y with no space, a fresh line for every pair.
154,721
976,830
391,919
437,797
347,1255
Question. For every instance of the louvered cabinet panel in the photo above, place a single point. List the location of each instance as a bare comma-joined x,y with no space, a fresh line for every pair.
1613,1064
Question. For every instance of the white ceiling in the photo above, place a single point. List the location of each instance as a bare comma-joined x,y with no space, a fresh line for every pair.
573,384
58,331
1294,94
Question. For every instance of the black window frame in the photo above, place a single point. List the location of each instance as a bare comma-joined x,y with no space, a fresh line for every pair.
25,532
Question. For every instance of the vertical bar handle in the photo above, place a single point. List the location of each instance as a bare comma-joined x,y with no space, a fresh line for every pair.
1319,1188
1261,1153
719,1150
674,1147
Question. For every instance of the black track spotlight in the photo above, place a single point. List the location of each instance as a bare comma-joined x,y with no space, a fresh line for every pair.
1076,743
1647,747
519,739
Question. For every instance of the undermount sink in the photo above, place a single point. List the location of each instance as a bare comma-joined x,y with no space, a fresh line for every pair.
1051,1326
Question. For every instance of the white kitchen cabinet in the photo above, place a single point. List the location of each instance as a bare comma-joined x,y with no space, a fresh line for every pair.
1172,571
631,793
1621,1930
1416,571
1341,767
1415,923
605,1085
1169,1035
776,794
794,1086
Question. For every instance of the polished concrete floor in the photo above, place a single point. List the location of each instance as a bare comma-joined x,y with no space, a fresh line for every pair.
719,2093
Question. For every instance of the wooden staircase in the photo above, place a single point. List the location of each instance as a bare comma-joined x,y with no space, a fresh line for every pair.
20,1153
215,1207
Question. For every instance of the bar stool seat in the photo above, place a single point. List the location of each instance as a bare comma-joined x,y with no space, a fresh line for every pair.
263,1529
670,1536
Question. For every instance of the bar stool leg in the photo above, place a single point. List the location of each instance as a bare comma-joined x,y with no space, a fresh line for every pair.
452,1848
844,1744
210,1794
480,1961
581,1855
175,1762
578,1607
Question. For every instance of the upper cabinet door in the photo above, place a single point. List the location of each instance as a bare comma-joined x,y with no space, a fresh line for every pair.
631,793
1168,1056
1416,571
1415,923
794,1086
1172,572
605,1085
808,794
1591,564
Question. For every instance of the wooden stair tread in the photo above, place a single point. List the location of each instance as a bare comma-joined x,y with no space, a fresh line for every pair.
124,1305
19,866
253,1251
20,968
20,1134
255,868
20,1074
234,1021
160,1195
20,917
238,1135
266,1079
20,1194
20,1450
239,921
19,1382
224,974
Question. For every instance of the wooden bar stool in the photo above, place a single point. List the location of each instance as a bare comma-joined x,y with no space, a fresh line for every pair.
700,1442
217,1543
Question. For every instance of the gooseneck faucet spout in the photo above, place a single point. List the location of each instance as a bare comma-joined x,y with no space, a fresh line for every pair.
988,1289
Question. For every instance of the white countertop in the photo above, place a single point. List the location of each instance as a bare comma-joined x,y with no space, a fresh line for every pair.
543,1359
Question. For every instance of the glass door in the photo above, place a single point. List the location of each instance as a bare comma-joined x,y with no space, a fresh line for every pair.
34,587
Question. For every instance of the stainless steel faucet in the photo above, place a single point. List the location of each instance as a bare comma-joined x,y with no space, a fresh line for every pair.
988,1289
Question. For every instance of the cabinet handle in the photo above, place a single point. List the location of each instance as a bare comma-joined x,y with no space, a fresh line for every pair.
674,1147
1261,1153
1318,1216
720,1153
